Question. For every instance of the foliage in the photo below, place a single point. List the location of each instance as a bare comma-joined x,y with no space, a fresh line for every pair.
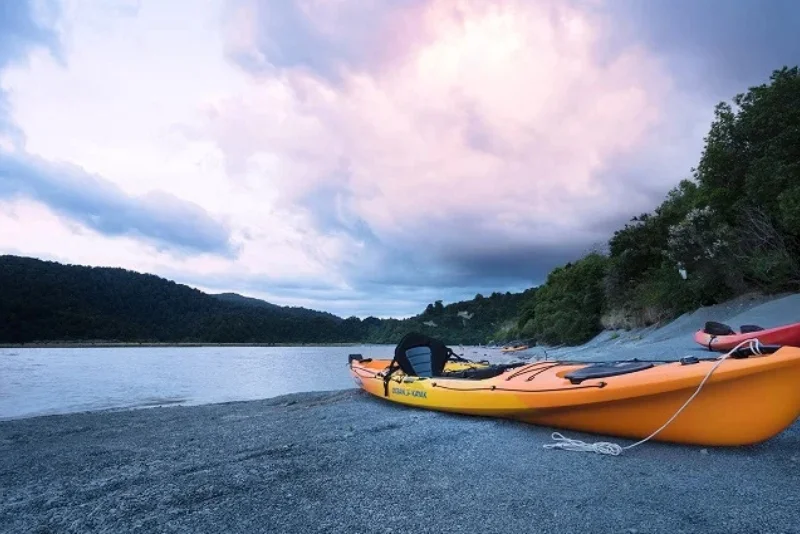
749,174
766,257
569,305
470,322
48,301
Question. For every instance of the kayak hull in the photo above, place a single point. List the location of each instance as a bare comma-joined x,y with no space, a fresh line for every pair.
781,335
745,401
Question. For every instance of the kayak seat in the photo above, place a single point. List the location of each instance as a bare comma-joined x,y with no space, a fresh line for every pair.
747,328
718,329
420,360
606,369
421,355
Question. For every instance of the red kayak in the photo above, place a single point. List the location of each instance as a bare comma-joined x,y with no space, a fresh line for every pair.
721,337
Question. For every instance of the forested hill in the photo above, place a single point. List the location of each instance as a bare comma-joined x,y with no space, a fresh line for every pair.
471,322
48,301
43,300
295,311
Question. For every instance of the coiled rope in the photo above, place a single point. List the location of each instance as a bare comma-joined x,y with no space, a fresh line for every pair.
613,449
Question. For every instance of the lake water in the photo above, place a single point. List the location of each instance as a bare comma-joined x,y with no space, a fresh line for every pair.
43,381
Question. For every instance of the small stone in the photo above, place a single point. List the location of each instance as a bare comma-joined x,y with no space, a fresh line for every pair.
703,451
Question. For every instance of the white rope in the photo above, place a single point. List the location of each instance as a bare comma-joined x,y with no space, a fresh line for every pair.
612,449
567,444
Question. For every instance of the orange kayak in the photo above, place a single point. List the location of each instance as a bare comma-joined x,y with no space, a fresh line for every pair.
721,337
747,399
514,349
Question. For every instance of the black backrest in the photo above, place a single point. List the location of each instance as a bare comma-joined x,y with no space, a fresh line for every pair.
421,355
718,329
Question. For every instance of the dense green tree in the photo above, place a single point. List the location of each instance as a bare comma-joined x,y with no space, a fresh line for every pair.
569,305
749,175
752,152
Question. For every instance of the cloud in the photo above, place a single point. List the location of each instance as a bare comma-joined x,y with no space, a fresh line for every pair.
358,156
20,32
479,149
378,300
319,36
718,47
494,141
157,217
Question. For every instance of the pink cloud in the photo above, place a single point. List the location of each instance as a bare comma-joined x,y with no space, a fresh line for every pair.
322,36
491,122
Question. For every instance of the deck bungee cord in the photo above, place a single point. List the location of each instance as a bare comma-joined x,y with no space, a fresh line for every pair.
614,449
599,385
539,366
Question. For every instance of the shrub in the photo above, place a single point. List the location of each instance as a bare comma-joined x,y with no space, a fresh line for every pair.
569,305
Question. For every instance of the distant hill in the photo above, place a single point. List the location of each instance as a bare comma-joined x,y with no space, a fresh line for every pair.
49,301
295,311
236,298
44,300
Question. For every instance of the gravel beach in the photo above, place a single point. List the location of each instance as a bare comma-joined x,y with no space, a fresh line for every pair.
345,462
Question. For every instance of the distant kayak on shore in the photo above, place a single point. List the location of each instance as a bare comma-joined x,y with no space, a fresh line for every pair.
721,337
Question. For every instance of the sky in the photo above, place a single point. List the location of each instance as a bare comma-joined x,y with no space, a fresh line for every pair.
361,157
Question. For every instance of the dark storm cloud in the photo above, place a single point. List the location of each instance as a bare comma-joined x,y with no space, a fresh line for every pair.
379,300
718,46
711,49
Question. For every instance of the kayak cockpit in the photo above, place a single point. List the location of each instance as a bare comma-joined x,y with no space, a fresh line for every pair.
481,372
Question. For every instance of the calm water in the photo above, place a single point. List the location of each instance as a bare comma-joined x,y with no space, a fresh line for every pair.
50,381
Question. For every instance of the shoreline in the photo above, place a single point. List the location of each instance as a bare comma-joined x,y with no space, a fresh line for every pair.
772,310
106,344
343,461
